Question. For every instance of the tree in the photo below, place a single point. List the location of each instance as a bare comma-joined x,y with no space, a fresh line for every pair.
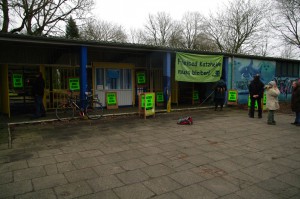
285,20
4,15
103,31
72,29
41,17
193,26
236,28
158,29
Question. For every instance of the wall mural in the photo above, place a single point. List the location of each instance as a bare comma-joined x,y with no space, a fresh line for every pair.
285,86
245,69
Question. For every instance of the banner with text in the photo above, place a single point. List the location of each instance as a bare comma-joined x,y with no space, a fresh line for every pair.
198,68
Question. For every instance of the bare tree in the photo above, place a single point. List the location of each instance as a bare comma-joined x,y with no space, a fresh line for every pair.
41,17
236,28
285,20
158,29
193,28
137,36
4,15
103,31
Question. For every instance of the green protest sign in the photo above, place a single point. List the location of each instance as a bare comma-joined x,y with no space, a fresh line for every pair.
111,98
149,101
74,84
195,95
232,96
198,68
18,80
160,97
141,78
147,104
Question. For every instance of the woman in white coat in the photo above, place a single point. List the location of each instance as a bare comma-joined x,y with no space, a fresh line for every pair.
272,93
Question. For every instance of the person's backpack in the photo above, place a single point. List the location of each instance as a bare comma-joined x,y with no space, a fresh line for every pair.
185,120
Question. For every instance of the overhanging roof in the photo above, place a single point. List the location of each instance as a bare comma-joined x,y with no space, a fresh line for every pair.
49,40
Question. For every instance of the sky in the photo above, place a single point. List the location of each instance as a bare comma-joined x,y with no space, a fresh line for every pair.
134,13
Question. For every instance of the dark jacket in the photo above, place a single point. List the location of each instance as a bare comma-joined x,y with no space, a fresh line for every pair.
38,86
295,102
220,90
256,87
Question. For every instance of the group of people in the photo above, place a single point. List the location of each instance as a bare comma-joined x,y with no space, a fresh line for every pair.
256,91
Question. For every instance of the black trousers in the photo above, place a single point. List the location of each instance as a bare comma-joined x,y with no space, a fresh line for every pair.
252,106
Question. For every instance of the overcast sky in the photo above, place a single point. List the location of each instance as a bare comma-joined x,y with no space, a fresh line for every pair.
134,13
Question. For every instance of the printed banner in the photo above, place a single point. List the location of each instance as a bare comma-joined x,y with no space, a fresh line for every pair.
198,68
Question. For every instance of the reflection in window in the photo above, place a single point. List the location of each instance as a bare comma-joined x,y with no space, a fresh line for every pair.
110,79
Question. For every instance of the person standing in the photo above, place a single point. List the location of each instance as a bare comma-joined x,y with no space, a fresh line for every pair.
38,93
295,102
256,90
272,93
220,91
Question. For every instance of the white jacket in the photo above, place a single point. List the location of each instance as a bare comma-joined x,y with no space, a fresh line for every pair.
272,98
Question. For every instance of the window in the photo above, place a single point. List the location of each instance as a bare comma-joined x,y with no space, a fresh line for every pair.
111,78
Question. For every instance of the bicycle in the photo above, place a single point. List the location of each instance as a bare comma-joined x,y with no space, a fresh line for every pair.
93,107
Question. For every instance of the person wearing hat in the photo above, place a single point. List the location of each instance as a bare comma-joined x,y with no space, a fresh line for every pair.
295,102
272,93
256,91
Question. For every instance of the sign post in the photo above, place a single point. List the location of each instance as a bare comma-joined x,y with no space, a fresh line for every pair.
147,104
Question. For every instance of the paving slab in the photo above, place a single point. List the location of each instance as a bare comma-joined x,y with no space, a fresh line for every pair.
224,154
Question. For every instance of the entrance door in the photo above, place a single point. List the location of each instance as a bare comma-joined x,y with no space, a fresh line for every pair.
20,80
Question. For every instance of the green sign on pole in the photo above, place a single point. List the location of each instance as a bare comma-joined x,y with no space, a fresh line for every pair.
141,78
232,96
74,84
160,97
111,99
18,80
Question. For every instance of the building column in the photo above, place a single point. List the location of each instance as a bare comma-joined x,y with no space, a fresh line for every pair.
83,72
167,80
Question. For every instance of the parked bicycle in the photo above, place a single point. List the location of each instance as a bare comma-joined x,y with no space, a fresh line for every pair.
67,109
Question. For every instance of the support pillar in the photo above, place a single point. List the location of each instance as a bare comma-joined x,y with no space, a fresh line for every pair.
83,72
167,80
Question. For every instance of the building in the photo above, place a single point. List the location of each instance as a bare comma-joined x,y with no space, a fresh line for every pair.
123,68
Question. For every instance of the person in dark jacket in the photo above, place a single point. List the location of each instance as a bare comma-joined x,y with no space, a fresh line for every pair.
256,91
38,93
220,91
295,102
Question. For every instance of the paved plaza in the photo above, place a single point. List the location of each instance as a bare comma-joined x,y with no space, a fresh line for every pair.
224,154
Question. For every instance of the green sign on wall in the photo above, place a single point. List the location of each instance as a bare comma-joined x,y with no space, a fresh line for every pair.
195,95
160,97
74,84
141,78
18,80
111,98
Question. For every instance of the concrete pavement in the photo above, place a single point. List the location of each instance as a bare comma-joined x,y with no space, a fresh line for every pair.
224,154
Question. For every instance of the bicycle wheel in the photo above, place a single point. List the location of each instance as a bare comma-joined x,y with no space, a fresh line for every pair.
64,112
94,110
